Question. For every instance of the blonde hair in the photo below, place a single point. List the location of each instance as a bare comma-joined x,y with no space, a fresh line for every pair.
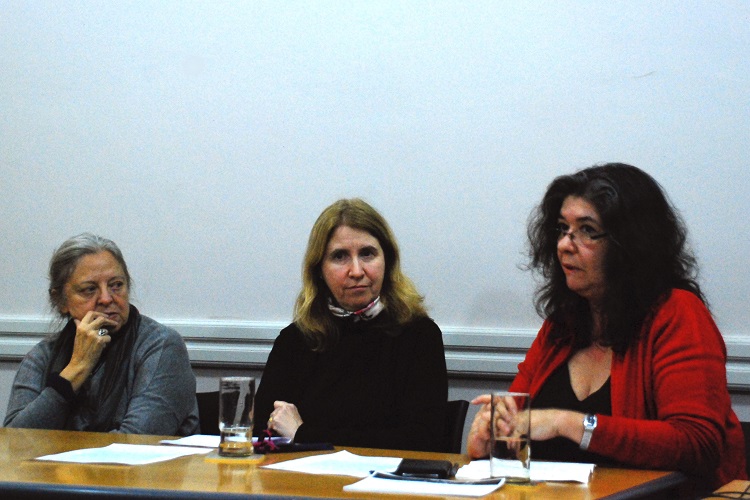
400,297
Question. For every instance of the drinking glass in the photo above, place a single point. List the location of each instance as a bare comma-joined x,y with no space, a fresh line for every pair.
236,396
510,425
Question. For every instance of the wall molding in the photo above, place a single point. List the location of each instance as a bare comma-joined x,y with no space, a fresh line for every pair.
470,352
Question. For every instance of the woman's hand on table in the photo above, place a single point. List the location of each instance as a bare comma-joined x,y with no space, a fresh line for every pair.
285,419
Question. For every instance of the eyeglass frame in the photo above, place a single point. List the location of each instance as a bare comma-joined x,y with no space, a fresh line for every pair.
585,239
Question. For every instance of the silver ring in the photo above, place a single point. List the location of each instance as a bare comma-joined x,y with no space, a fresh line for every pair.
102,332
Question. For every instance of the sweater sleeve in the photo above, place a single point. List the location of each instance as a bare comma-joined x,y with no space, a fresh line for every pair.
162,398
280,380
32,404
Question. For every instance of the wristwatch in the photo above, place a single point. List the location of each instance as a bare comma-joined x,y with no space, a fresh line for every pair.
589,424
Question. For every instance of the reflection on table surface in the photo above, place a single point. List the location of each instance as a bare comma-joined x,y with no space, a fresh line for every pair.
193,474
735,489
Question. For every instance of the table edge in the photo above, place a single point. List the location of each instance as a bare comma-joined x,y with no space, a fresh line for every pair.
23,490
670,480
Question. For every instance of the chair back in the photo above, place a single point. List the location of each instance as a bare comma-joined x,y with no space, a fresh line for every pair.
455,416
208,412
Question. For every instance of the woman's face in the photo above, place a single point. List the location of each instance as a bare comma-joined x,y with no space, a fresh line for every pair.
98,284
353,267
582,261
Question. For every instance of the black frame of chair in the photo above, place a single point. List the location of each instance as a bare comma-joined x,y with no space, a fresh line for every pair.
208,412
455,419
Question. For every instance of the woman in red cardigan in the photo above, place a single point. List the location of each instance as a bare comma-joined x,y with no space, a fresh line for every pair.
629,367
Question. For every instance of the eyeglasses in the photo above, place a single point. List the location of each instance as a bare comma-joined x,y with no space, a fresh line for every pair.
585,235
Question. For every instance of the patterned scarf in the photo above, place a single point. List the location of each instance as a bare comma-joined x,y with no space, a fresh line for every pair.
366,313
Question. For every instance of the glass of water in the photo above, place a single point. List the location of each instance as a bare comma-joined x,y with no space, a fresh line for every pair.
236,397
510,429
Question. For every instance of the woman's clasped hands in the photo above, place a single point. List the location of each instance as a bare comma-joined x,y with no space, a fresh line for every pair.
544,424
285,419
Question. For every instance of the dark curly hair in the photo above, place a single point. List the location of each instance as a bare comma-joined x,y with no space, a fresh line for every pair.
648,256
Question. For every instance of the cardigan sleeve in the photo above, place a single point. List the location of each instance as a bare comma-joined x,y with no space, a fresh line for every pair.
670,401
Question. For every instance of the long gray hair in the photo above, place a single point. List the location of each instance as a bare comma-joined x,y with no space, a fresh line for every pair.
65,260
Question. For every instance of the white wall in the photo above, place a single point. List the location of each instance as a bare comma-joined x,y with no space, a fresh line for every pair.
206,137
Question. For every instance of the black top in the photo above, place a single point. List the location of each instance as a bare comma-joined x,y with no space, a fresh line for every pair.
380,386
557,392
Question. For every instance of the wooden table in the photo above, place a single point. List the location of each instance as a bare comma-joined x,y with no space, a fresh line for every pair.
734,489
194,477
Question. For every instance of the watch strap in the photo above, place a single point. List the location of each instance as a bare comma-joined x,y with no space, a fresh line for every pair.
589,424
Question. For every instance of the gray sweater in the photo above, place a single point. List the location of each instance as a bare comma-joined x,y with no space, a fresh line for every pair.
159,396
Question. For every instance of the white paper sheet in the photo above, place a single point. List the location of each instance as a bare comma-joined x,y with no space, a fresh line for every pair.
210,441
341,463
126,454
406,487
199,440
540,471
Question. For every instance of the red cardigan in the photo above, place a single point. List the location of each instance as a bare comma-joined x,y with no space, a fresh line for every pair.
670,404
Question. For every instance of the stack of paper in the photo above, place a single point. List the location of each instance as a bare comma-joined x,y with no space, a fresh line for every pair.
127,454
540,471
344,463
374,484
341,463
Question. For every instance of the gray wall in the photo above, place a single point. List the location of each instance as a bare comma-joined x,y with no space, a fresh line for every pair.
206,137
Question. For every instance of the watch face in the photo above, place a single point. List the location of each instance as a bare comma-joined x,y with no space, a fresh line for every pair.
589,421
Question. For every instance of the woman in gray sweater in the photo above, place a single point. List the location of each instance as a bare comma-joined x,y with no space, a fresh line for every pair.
109,369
